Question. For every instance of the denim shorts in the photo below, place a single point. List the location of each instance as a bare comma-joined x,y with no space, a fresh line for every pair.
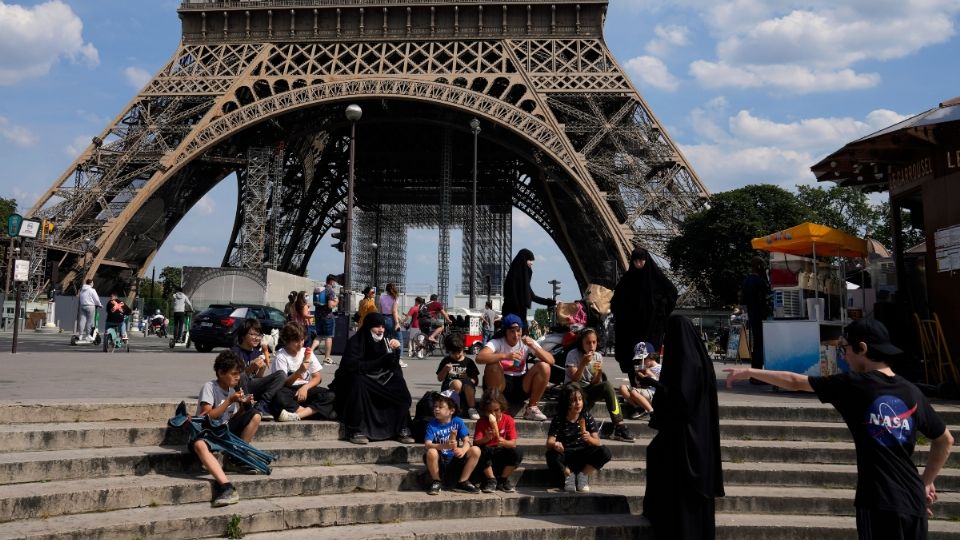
326,328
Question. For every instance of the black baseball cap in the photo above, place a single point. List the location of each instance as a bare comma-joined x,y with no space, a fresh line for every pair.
873,333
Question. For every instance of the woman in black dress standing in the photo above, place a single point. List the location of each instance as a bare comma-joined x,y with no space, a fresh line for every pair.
641,303
517,294
684,474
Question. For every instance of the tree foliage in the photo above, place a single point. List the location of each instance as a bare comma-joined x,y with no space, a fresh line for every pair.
171,277
713,251
841,208
7,207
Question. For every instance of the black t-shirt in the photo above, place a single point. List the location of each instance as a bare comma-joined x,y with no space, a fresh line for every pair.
884,415
245,355
568,433
465,369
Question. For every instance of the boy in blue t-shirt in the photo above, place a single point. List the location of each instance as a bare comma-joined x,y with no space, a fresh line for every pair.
447,441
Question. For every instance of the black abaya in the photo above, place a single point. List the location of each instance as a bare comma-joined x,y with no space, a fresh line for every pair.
684,474
371,395
641,303
517,294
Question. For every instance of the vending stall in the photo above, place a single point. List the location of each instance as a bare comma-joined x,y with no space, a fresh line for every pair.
808,298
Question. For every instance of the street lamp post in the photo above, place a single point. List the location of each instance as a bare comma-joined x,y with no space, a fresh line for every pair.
353,113
376,265
475,129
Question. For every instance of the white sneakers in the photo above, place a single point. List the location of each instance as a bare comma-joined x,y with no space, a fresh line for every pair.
533,413
287,416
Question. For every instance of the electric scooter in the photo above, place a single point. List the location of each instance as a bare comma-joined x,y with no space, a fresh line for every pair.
113,339
185,338
94,337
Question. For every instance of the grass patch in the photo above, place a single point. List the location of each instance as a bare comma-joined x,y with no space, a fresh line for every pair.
234,531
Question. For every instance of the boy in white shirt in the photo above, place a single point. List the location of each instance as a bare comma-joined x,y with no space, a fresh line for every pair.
301,396
506,367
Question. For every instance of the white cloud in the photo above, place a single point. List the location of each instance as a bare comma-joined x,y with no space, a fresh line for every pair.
667,37
205,205
34,38
137,77
746,149
25,199
651,71
813,45
187,249
75,147
18,135
786,77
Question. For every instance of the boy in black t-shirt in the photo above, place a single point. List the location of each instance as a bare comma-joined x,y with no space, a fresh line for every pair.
884,412
458,372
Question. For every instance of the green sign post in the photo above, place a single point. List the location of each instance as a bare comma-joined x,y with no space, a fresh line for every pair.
13,224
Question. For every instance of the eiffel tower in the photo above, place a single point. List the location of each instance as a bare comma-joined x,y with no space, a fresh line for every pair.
258,89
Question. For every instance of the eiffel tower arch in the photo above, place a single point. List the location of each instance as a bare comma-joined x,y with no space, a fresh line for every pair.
258,89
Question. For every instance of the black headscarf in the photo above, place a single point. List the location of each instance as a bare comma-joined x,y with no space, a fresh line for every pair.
516,286
643,299
686,413
365,355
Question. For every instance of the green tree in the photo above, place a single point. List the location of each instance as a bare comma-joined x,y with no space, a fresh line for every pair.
884,229
713,249
171,277
842,208
7,207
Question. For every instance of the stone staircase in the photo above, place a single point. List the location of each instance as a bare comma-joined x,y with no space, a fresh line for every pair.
114,471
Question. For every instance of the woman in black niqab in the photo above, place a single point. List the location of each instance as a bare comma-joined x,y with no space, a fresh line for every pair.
684,475
372,398
517,294
641,303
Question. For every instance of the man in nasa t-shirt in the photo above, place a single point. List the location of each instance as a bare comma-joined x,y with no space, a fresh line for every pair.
884,412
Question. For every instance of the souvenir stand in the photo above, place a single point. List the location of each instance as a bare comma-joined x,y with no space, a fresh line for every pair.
809,317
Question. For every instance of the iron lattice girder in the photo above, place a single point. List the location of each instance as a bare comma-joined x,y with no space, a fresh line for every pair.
544,76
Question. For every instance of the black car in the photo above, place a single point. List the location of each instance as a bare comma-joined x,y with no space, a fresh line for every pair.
217,326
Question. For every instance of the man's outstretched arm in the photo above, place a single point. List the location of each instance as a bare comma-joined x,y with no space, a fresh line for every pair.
783,379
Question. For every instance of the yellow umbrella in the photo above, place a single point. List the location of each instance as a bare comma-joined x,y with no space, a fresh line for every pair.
809,238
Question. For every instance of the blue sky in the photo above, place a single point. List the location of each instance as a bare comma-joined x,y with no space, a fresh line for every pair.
752,91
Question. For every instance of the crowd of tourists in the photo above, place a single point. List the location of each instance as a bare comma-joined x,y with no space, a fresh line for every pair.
670,380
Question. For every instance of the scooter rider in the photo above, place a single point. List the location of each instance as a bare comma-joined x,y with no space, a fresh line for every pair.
180,303
89,303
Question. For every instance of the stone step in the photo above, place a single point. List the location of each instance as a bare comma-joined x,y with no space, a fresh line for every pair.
763,481
75,435
22,467
790,409
403,509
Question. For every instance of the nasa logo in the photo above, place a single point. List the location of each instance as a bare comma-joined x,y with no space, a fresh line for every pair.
889,421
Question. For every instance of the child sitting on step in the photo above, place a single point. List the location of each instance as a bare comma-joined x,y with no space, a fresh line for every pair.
584,368
458,372
301,395
447,441
646,365
222,399
574,449
496,436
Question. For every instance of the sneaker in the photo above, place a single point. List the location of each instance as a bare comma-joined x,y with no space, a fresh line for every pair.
404,437
570,483
467,487
227,495
489,485
404,364
420,355
434,488
505,485
473,414
287,416
583,483
358,438
622,433
637,414
533,413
